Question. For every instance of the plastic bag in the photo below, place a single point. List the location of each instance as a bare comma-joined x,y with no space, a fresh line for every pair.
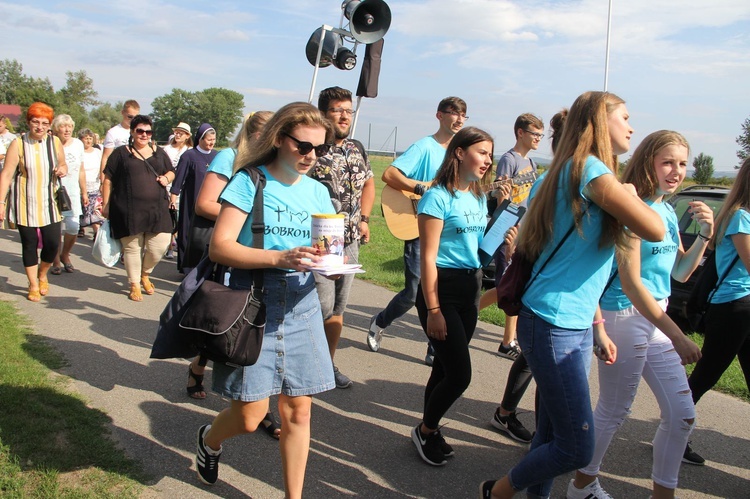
106,249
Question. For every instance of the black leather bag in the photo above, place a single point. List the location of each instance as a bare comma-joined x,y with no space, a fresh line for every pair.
232,323
63,199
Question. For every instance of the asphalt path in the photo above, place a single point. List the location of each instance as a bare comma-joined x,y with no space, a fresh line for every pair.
361,443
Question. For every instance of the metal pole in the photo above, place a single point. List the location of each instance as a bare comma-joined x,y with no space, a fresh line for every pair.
317,63
606,57
395,139
369,136
356,117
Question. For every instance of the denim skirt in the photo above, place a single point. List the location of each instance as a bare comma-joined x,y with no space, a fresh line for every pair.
294,359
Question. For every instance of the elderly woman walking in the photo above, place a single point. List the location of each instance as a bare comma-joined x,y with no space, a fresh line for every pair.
28,181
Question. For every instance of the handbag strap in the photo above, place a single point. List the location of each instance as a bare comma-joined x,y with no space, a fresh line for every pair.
258,226
723,276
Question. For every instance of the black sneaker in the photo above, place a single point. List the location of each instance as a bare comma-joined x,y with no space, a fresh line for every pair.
485,489
445,447
206,459
511,352
511,425
692,457
428,447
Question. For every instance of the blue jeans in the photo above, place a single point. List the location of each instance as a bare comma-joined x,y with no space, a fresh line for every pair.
560,360
405,299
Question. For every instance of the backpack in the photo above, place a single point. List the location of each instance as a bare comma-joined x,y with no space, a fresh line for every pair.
704,289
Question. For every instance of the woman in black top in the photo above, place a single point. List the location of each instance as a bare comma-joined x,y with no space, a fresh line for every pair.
135,201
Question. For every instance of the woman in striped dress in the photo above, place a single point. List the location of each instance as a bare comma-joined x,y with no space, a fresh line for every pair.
28,186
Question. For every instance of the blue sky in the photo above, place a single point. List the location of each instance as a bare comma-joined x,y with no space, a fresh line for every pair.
679,64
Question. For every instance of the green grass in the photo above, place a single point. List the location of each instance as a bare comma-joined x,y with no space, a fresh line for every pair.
51,443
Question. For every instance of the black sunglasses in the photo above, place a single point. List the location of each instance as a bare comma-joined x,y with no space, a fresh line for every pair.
304,148
140,131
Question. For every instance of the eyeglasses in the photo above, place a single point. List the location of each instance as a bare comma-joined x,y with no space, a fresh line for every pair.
341,110
456,114
141,131
39,123
536,135
304,148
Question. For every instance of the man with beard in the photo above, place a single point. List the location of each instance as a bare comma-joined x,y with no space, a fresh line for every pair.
346,172
411,171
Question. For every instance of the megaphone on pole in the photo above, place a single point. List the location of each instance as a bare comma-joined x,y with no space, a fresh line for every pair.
369,20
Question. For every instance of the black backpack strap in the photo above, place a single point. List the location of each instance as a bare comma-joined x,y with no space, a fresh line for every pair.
723,276
258,226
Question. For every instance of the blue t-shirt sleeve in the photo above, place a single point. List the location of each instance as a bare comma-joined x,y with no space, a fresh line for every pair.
738,224
409,160
594,168
433,203
240,192
223,162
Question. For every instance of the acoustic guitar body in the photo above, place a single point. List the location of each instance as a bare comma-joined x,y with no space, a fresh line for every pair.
400,212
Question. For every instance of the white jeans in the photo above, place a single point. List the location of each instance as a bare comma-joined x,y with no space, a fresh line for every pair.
643,351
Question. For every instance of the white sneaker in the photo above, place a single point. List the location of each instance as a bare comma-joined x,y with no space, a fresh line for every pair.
590,491
374,335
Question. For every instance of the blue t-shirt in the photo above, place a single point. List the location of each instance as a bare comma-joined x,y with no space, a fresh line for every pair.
287,209
567,292
223,162
421,160
464,221
737,283
657,261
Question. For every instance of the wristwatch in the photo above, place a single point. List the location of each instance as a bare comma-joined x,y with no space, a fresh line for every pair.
364,218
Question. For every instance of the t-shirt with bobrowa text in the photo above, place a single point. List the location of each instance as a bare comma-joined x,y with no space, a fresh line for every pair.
657,261
287,209
464,222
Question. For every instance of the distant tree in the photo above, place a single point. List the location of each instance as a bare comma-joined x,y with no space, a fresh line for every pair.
744,142
703,168
220,107
18,88
172,108
103,117
76,97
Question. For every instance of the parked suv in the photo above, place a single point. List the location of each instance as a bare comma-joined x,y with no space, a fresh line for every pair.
714,197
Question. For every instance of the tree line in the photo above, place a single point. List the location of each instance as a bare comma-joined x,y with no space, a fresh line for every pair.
220,107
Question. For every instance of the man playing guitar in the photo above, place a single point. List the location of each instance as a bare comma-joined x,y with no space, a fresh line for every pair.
410,172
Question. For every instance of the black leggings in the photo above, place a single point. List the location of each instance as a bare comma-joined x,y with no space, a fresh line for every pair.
458,291
727,336
30,242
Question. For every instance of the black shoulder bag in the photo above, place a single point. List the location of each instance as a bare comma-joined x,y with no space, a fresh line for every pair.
704,289
204,316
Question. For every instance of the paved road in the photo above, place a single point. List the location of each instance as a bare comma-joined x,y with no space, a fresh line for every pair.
361,445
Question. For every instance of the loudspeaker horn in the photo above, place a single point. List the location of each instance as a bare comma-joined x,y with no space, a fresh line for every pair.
369,20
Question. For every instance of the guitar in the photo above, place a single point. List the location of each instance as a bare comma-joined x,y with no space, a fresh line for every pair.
400,207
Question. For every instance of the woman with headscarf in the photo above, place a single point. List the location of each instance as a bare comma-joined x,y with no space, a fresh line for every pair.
135,200
191,171
28,186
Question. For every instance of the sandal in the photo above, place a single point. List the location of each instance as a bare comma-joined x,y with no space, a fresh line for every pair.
33,295
195,390
271,426
148,287
135,292
55,271
69,268
43,287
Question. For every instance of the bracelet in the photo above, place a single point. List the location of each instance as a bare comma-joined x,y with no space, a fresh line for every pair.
364,218
600,321
703,237
433,308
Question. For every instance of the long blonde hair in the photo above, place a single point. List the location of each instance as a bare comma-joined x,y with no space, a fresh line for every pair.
585,133
286,119
738,197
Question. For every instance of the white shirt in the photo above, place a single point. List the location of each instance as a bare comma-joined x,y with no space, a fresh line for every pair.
116,136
